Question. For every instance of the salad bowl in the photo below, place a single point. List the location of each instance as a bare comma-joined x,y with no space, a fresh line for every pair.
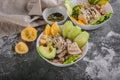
85,49
50,51
108,8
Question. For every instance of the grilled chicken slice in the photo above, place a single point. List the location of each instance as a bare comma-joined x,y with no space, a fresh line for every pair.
59,43
62,54
88,13
73,48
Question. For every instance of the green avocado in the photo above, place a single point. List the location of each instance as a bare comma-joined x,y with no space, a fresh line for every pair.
47,52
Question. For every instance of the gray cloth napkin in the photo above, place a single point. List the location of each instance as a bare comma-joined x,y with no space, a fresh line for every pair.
22,13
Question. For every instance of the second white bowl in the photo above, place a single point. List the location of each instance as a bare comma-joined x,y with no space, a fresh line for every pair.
49,11
107,7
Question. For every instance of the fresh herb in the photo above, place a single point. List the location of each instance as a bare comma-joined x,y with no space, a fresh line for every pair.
76,11
71,59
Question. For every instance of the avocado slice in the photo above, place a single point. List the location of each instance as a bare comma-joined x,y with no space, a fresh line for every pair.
47,52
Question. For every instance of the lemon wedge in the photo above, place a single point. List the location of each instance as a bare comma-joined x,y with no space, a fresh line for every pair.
29,34
21,48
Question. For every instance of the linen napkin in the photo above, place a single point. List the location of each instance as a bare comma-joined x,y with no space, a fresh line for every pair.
22,13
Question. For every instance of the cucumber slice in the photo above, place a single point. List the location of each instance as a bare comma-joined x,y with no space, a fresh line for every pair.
74,33
69,6
82,39
67,27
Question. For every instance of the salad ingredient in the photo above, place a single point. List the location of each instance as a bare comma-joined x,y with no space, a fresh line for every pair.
67,27
93,2
102,19
55,29
82,39
59,43
48,52
69,6
103,2
62,54
74,33
29,34
81,22
76,12
100,2
42,42
55,17
73,48
47,30
71,59
21,48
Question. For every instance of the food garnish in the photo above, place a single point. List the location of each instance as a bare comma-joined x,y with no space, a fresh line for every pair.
29,34
47,30
21,48
55,29
69,6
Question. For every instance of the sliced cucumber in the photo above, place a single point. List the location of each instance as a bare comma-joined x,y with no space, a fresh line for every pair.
67,27
74,33
82,39
69,6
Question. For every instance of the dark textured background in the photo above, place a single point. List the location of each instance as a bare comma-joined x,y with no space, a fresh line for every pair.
102,61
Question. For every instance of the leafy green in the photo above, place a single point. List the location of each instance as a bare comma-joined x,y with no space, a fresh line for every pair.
76,11
71,59
102,19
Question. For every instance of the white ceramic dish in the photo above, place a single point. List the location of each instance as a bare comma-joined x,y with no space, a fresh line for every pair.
49,11
85,49
108,8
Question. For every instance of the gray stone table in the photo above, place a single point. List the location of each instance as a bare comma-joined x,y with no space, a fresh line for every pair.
102,61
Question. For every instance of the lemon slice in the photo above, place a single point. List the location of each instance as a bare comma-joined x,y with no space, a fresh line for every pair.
29,34
47,30
21,48
55,29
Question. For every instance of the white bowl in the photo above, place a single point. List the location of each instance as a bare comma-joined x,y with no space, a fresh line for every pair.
49,11
85,49
108,8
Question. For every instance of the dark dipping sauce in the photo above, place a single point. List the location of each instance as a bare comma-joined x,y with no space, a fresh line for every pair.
55,17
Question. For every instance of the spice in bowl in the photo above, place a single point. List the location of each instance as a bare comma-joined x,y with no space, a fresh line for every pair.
55,17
